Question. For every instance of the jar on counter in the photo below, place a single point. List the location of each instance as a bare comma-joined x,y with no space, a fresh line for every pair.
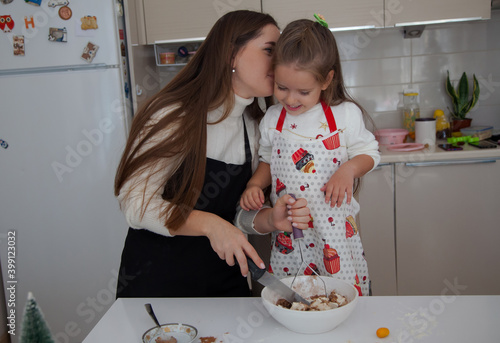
411,111
443,126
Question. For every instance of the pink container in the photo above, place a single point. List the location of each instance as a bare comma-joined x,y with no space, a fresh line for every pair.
390,136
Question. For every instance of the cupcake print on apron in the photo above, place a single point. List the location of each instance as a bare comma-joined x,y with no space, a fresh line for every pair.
333,245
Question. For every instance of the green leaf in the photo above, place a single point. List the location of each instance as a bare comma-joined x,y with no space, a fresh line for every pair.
463,88
475,94
452,93
463,96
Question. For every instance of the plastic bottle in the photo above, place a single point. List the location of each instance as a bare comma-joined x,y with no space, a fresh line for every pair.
443,126
411,111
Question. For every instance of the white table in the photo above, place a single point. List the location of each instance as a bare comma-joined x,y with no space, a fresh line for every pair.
410,319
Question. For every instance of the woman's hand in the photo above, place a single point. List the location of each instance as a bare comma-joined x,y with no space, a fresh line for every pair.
287,212
226,239
231,245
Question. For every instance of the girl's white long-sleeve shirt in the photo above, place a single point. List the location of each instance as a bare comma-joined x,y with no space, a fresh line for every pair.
312,123
225,142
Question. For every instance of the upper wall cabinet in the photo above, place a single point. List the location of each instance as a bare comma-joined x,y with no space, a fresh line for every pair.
168,19
337,13
135,22
415,12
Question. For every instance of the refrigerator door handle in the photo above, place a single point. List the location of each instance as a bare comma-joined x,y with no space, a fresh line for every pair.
76,67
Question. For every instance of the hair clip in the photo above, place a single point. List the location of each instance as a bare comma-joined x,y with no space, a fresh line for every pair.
321,20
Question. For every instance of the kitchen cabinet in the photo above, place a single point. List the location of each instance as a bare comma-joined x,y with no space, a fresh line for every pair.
447,227
337,13
376,222
432,226
134,14
410,12
159,20
187,19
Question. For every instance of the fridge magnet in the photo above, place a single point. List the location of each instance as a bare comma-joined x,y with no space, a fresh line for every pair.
58,34
5,2
6,23
65,13
28,22
89,22
89,51
55,3
18,43
33,2
3,144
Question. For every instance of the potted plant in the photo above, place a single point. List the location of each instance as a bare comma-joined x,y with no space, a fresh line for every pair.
462,104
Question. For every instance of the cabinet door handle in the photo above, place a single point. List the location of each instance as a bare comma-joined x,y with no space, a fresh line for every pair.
447,163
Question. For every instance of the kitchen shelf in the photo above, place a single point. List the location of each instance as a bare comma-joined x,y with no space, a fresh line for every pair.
173,46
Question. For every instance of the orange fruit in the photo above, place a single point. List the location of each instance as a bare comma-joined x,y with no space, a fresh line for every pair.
382,332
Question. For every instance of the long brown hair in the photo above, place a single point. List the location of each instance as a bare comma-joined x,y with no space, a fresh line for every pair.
204,84
312,47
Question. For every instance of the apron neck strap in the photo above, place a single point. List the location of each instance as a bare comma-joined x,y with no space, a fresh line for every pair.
332,125
248,150
281,120
329,117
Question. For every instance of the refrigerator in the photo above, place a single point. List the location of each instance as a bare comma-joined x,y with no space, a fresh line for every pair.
64,118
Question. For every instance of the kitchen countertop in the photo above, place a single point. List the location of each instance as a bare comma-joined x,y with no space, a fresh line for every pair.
434,153
424,319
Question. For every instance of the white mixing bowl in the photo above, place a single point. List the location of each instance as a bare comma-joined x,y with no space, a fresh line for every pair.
311,322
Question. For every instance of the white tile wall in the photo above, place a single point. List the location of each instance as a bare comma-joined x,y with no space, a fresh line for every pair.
379,64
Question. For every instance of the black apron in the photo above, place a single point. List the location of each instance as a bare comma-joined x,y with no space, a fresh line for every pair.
153,265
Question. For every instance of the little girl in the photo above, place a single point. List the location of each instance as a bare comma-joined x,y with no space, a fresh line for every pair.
314,144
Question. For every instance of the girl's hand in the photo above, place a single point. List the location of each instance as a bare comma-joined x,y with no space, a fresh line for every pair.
342,181
252,198
231,245
339,187
288,212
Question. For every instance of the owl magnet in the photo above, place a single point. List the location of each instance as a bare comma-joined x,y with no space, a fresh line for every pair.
5,2
3,144
6,23
89,51
18,44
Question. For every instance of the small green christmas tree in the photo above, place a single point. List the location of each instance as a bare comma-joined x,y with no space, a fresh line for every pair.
34,329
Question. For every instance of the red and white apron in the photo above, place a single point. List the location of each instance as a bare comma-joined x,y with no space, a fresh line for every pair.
331,245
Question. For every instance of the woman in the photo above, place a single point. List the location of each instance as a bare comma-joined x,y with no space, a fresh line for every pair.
190,152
